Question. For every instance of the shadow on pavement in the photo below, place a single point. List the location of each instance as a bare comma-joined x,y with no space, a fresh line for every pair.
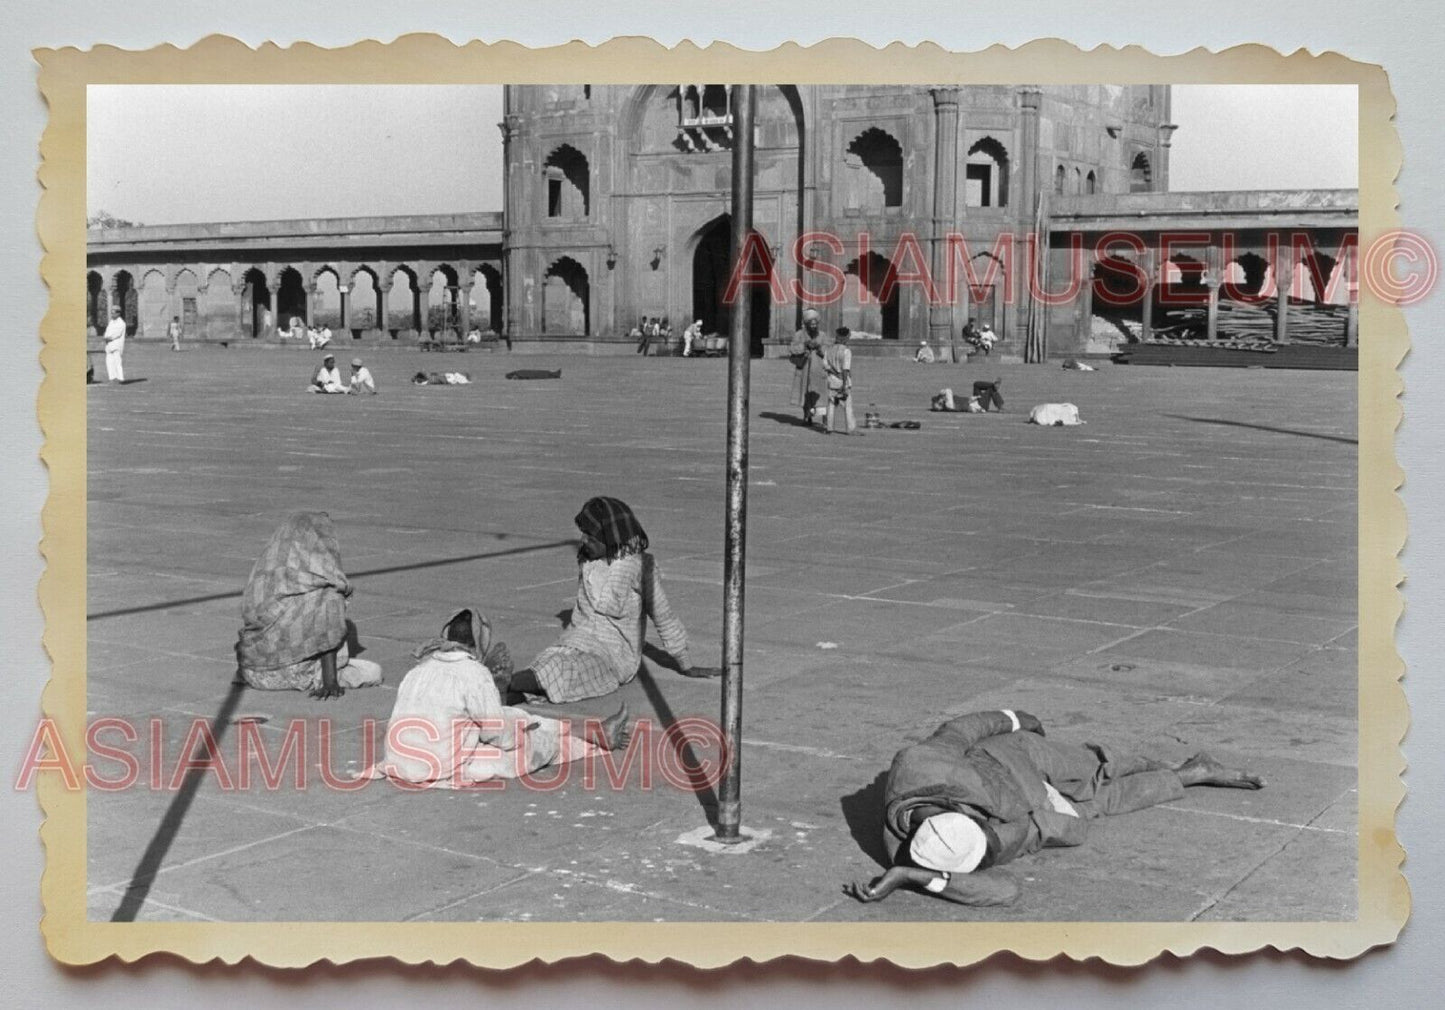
147,607
1266,427
687,757
139,886
789,419
863,811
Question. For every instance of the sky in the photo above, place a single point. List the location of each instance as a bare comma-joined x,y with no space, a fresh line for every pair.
167,154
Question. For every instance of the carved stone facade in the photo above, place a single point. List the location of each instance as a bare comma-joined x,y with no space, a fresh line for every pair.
618,196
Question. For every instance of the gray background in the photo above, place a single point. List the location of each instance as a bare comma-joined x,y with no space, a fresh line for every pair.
1404,37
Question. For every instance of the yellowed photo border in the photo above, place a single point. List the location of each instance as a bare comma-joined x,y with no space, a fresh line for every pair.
1383,904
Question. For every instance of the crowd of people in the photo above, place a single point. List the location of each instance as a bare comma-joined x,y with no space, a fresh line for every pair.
295,636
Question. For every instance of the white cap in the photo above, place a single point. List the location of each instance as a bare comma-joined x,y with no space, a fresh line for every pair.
810,314
951,842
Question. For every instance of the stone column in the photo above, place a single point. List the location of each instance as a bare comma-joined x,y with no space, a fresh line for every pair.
1213,275
1283,279
423,304
243,322
311,303
945,207
383,295
1084,330
464,308
511,284
274,287
343,293
1161,167
1029,101
1350,264
1146,310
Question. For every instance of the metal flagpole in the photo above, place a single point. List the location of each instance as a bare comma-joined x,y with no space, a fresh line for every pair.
729,814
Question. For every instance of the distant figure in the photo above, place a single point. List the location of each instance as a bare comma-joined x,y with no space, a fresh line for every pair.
174,332
986,339
115,346
1075,365
474,336
689,335
987,394
806,353
327,378
838,366
925,353
535,373
361,380
1055,415
970,333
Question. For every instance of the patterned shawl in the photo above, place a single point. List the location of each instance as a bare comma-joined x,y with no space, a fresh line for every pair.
294,605
494,656
612,523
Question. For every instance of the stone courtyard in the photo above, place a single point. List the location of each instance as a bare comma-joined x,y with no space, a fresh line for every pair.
1179,572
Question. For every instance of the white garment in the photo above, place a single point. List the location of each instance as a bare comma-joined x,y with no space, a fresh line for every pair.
362,382
924,355
693,332
450,728
328,380
115,350
1060,414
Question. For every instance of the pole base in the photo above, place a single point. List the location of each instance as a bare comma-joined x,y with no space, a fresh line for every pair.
705,838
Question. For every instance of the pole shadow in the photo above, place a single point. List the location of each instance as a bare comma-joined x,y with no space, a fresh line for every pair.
510,552
1266,427
697,780
139,887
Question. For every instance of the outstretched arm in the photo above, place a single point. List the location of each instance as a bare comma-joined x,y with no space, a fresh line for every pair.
986,887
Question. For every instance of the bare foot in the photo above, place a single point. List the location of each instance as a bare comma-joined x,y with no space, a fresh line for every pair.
1203,770
617,729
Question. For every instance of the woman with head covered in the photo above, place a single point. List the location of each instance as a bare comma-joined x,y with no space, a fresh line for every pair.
293,615
619,589
449,728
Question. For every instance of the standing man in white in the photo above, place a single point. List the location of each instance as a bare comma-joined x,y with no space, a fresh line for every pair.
115,346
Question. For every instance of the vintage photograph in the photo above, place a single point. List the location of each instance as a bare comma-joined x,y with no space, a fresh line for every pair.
722,503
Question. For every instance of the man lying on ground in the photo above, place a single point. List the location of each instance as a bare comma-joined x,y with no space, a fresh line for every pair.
987,788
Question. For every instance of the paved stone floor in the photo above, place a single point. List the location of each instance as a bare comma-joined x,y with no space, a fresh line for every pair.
1179,573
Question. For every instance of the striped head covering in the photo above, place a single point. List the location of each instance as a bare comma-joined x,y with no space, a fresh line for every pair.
610,522
294,604
477,643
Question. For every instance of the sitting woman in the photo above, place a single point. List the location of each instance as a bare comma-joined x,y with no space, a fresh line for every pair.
293,614
619,588
449,727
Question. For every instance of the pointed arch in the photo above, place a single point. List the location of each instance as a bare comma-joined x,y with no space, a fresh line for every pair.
986,174
880,154
568,183
1141,174
566,298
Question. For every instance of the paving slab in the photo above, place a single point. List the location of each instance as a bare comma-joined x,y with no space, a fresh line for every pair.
1155,579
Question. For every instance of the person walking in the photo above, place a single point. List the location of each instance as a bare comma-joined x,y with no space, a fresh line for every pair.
174,332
